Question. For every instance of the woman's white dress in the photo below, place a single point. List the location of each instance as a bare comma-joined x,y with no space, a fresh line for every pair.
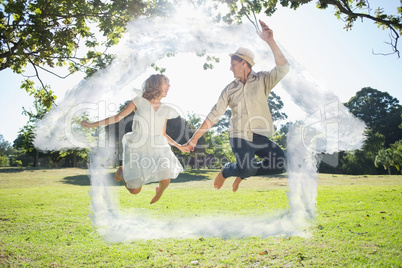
147,156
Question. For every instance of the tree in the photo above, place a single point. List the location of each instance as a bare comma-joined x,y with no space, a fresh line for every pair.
47,34
26,135
224,122
275,104
400,126
63,33
6,150
347,10
24,144
380,111
361,161
397,155
384,158
27,154
219,149
390,157
280,139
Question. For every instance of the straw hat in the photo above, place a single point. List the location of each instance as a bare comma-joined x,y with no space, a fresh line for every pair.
245,54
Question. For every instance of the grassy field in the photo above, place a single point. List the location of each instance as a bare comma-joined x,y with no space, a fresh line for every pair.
44,222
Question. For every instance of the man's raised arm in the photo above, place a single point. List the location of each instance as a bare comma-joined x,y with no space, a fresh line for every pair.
268,36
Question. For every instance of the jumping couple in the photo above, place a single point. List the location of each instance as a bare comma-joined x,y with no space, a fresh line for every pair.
251,126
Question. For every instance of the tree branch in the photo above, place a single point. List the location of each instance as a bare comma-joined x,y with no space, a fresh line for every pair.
347,11
8,54
392,44
55,74
391,24
40,80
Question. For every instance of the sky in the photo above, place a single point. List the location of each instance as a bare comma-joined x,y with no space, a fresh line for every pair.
338,60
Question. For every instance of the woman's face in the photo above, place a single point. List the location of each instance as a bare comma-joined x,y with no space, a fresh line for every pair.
165,87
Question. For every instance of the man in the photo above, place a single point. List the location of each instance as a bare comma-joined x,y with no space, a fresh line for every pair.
251,122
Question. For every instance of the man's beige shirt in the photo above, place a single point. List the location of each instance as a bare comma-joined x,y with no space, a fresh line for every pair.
249,104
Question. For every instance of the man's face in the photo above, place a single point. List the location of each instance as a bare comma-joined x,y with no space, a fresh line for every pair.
237,68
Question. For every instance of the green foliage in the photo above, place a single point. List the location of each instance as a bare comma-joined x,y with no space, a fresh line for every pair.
41,107
21,159
49,34
209,60
362,161
275,104
194,120
224,122
397,155
219,147
209,64
280,139
400,126
212,150
6,148
158,69
17,163
384,157
25,139
390,157
4,161
280,136
27,154
380,112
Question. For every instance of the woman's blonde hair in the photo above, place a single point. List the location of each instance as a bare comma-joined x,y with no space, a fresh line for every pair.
152,86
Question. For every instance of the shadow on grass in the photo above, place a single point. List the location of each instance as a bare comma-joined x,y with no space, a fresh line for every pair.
18,169
192,175
80,180
275,176
84,180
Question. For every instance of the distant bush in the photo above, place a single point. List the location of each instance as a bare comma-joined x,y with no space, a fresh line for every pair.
4,162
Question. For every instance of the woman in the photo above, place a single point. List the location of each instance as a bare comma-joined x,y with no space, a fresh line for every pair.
147,156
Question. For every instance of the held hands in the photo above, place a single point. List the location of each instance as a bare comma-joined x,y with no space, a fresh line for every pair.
267,34
184,148
188,147
191,144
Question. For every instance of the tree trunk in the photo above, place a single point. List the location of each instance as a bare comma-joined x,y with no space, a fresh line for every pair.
36,163
75,158
389,170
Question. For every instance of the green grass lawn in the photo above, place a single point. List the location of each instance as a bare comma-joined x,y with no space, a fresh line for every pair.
44,221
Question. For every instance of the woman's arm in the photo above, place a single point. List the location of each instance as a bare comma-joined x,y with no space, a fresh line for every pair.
182,148
113,119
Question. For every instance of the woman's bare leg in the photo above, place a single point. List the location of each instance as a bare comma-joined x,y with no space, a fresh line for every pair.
236,183
163,184
134,191
118,176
